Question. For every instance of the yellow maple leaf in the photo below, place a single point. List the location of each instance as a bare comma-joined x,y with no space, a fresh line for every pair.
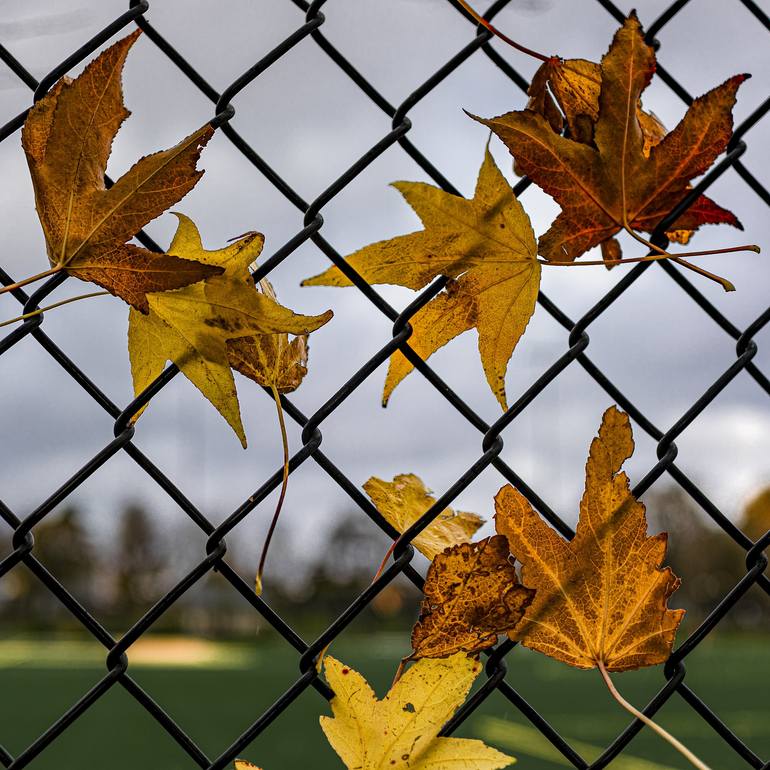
485,245
401,730
601,597
403,500
191,326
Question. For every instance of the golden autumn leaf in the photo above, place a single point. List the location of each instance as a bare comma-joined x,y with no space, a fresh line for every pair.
403,500
401,730
191,326
67,139
271,360
601,597
242,764
472,595
604,184
485,245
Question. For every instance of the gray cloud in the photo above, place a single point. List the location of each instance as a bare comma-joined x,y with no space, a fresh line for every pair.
311,123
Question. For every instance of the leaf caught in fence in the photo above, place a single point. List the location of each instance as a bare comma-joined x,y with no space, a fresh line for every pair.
401,730
485,245
191,326
602,597
271,360
405,499
609,182
67,139
472,595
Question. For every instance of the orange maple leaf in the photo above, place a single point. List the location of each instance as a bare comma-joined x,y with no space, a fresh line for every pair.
602,597
67,139
609,184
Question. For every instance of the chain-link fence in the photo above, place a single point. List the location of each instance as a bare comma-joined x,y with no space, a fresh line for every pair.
215,558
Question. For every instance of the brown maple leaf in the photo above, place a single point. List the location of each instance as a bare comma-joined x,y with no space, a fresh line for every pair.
601,597
566,91
609,183
67,139
472,594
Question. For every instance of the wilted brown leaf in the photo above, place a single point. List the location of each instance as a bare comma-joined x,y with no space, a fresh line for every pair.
67,139
602,184
602,597
472,595
567,90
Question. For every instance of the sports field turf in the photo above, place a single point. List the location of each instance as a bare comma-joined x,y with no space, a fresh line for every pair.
215,691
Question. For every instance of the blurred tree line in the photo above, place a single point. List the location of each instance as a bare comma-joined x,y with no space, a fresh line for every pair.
143,559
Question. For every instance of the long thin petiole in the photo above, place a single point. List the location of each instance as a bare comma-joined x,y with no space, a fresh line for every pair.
726,285
31,279
656,257
484,23
384,561
678,745
282,495
379,572
51,307
400,669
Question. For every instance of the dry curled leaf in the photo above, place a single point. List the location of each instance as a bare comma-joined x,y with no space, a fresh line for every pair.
241,764
485,245
601,597
271,360
472,595
603,184
191,326
67,139
400,731
403,500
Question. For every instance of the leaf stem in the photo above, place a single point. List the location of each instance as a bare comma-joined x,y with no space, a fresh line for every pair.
377,574
678,745
51,307
31,279
384,561
484,23
653,258
282,495
726,285
400,669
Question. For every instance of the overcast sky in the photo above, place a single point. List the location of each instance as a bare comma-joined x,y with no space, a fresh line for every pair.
311,123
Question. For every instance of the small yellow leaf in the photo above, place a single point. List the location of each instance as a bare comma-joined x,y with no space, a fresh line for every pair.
401,730
403,500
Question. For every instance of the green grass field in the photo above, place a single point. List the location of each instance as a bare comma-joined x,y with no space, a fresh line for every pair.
216,691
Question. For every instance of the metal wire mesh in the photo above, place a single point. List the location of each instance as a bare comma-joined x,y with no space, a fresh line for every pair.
117,658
